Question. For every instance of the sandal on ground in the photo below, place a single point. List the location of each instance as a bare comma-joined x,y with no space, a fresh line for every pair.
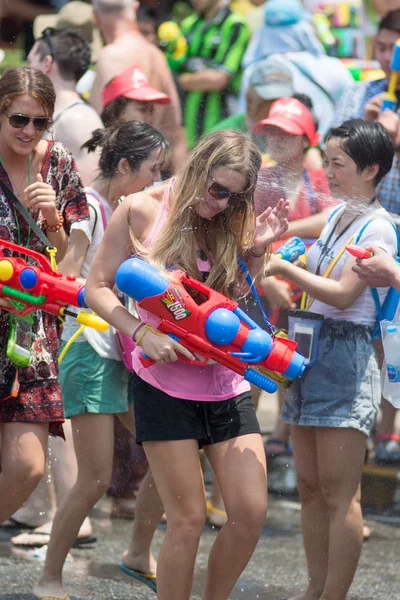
216,517
50,596
275,447
37,539
12,523
148,579
387,448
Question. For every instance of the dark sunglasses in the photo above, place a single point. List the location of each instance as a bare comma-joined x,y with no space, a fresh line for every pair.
221,192
46,36
19,121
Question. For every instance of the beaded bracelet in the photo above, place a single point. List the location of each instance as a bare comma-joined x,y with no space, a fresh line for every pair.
135,331
54,228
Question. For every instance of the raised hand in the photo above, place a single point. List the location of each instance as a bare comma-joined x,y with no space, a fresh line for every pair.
42,195
271,225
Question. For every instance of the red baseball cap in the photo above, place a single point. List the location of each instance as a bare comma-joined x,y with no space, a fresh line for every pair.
293,117
132,83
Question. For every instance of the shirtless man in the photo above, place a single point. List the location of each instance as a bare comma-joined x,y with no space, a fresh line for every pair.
64,56
126,46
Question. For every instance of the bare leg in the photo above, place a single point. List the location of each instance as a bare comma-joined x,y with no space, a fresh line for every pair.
61,471
149,510
281,431
241,471
40,507
340,460
176,469
314,513
388,416
23,455
94,443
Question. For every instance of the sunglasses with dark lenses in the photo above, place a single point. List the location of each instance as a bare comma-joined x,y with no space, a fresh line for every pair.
19,121
221,192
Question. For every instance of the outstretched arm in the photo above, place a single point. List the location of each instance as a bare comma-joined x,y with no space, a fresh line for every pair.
340,294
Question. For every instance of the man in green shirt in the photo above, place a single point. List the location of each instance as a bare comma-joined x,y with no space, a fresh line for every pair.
217,39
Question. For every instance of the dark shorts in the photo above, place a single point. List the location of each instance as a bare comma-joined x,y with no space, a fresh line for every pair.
160,417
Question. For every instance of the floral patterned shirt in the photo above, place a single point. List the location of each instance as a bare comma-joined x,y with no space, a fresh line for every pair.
59,170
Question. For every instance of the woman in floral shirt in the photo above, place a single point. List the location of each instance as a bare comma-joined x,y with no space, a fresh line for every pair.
43,175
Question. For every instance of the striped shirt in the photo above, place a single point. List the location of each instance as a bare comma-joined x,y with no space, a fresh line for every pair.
218,43
352,106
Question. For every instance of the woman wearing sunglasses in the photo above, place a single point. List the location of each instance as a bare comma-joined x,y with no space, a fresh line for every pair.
42,174
201,222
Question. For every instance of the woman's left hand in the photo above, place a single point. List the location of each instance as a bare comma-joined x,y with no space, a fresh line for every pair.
42,195
271,225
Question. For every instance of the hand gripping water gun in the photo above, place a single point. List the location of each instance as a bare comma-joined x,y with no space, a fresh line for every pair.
38,287
292,249
390,100
359,252
174,43
390,304
209,325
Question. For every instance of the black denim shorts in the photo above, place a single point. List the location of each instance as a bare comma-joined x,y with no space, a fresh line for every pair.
161,417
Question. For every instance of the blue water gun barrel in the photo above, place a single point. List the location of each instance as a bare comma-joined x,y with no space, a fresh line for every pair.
292,249
138,279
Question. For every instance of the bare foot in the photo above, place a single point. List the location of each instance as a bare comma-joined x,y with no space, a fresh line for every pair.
146,564
54,590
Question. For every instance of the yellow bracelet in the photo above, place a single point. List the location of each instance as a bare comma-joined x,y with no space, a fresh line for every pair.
142,333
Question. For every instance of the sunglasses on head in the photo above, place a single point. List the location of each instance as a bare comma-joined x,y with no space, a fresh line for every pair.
47,35
19,121
221,192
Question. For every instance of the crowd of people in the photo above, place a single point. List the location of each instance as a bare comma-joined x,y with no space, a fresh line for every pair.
203,150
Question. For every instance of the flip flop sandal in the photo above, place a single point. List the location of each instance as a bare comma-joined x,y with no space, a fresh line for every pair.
50,596
39,539
148,579
12,523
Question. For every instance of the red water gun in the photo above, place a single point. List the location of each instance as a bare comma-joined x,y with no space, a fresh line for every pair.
209,325
32,287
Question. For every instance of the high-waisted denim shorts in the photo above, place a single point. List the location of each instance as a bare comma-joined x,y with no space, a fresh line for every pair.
342,389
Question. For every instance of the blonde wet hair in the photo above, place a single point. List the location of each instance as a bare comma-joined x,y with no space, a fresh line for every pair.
228,234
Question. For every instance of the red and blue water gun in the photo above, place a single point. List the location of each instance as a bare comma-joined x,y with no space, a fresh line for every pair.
36,286
209,325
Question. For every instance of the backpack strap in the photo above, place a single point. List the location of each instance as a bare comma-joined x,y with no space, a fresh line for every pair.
392,297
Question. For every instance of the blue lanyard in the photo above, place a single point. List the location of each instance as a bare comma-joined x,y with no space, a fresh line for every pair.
249,281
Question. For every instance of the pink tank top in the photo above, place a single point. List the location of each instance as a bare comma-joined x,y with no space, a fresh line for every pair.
179,379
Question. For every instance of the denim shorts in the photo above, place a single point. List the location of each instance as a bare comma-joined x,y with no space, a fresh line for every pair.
342,389
161,417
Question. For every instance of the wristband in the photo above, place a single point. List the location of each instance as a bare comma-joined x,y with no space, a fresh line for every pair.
135,331
257,254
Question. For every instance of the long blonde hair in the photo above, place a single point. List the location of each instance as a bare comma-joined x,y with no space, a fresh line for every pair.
226,235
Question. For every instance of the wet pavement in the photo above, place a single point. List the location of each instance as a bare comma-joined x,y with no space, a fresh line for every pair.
276,571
